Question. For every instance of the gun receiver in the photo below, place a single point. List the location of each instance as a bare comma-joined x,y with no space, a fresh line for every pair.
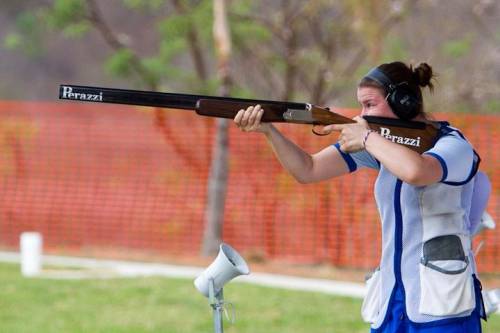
418,136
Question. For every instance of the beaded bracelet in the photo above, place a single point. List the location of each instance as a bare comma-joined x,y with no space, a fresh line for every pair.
366,137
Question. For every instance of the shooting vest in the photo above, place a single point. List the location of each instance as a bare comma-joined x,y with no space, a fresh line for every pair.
426,242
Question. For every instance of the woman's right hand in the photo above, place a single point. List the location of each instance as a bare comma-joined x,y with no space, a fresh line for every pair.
249,120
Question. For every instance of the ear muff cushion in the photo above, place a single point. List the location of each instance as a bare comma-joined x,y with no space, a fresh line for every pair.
403,102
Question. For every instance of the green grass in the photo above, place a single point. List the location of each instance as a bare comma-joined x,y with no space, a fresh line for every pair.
167,305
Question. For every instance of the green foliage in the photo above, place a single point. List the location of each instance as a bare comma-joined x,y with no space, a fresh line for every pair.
249,32
119,63
169,49
165,60
276,62
457,48
463,107
154,66
362,70
175,26
190,82
70,18
201,15
76,30
241,92
26,22
27,35
492,105
13,40
67,16
175,31
64,13
144,4
395,48
242,7
310,58
197,17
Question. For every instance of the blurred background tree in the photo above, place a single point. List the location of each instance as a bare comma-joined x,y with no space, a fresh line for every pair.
293,50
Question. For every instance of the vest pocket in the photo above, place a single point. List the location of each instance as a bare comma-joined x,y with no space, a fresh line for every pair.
371,303
446,285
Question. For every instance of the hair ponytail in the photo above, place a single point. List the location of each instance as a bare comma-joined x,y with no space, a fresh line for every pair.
422,75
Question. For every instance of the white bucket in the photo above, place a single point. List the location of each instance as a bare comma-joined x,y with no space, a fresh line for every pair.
31,253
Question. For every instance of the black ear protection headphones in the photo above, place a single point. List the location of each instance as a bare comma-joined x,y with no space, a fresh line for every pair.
403,102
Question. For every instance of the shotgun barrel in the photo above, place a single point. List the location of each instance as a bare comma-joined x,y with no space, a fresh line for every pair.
418,136
155,99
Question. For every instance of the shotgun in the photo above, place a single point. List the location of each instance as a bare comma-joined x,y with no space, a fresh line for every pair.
418,136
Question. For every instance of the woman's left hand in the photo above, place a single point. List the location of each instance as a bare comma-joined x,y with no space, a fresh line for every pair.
351,135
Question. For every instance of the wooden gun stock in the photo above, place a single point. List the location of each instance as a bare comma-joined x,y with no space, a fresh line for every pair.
417,136
228,109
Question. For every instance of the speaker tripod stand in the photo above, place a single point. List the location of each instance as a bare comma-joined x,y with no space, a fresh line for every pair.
216,301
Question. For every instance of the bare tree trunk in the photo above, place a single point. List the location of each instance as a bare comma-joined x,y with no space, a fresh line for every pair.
217,184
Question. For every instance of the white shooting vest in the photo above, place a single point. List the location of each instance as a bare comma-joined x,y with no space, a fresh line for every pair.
426,243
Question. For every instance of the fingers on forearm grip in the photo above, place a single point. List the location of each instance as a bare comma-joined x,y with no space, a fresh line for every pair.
249,119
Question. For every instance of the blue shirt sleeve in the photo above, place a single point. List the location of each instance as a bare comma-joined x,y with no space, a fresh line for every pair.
456,157
360,159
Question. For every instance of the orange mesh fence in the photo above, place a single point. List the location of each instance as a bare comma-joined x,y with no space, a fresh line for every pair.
94,176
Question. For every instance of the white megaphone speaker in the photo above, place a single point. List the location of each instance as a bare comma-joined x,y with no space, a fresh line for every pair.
228,265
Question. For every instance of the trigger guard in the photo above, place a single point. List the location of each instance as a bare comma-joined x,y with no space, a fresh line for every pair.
317,133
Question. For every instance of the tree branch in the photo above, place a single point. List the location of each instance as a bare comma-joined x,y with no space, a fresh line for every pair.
97,20
194,44
95,17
